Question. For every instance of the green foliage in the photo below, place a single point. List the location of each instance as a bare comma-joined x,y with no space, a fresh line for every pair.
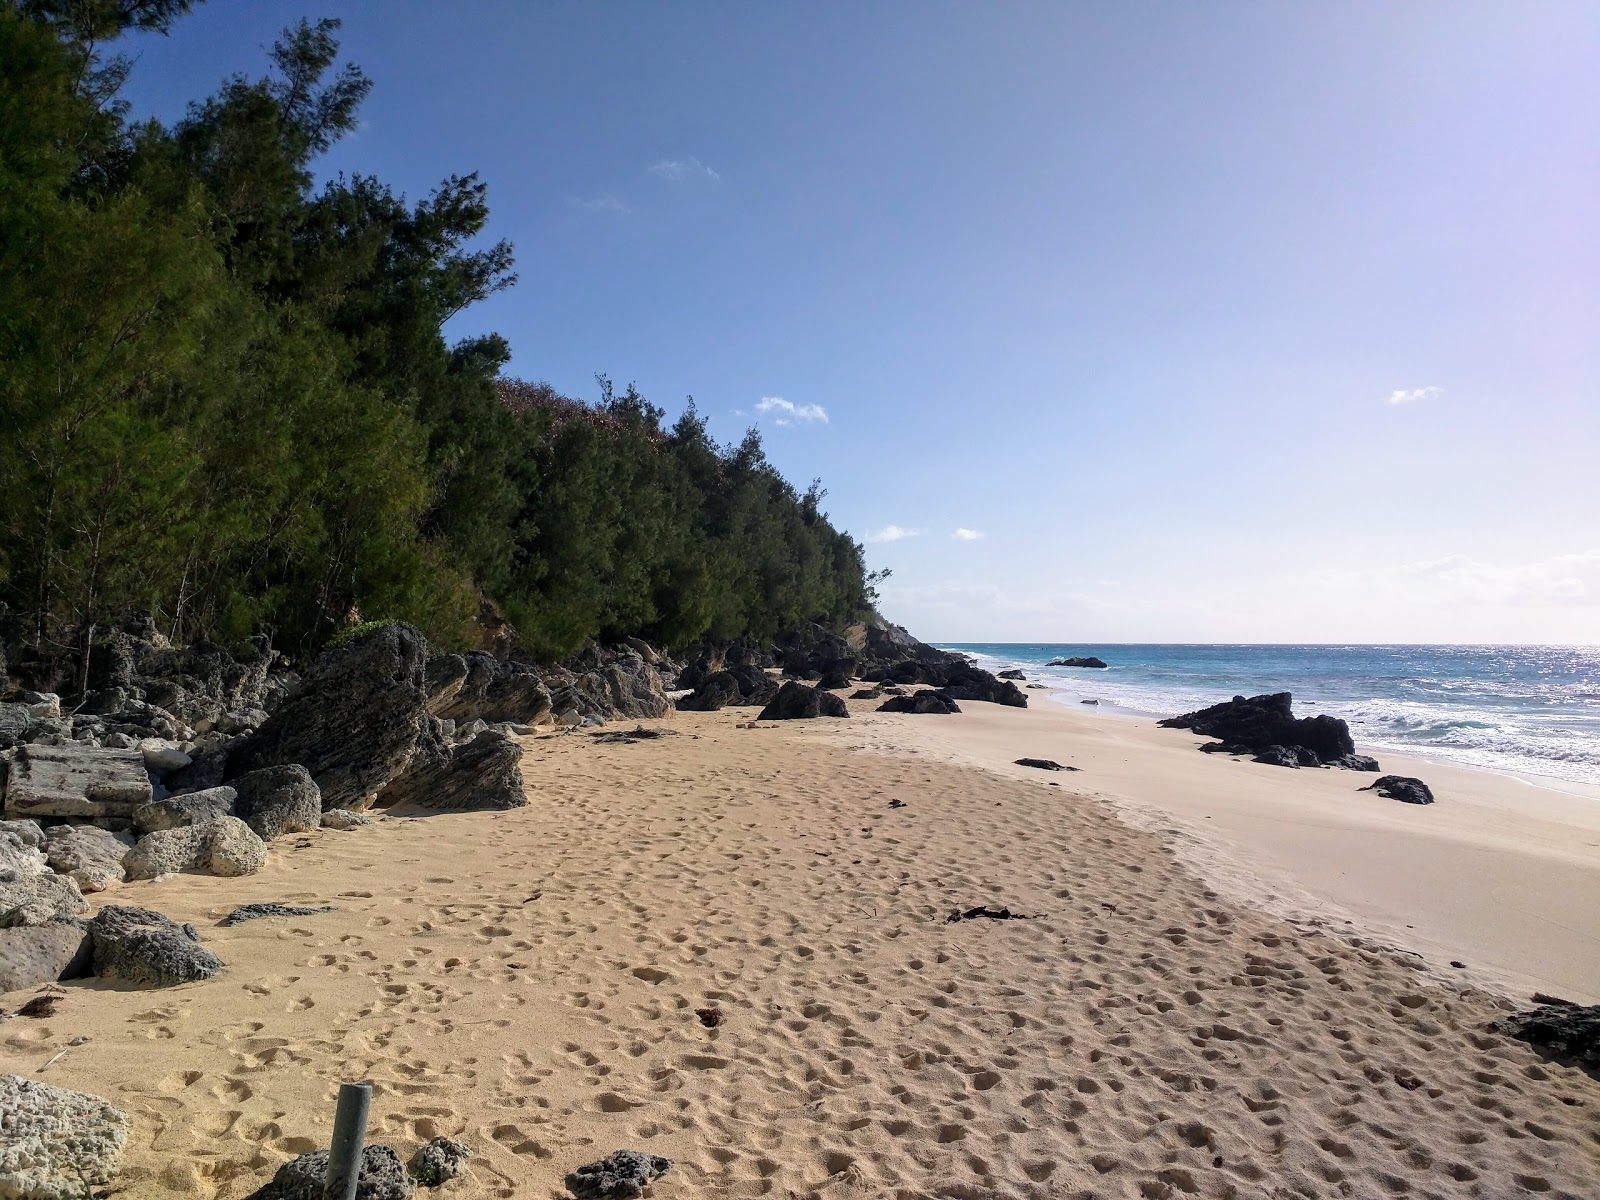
350,634
228,400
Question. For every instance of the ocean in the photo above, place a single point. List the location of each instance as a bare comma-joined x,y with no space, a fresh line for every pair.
1529,710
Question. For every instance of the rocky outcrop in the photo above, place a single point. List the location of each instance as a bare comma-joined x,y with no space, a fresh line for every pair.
35,954
1567,1032
274,801
381,1177
188,809
739,686
91,857
920,702
1266,726
483,774
254,912
1011,674
148,948
796,701
56,1144
30,893
1090,662
477,686
344,820
75,781
440,1161
1403,788
224,846
620,1175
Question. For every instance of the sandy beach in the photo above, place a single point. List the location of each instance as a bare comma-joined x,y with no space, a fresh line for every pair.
1184,1013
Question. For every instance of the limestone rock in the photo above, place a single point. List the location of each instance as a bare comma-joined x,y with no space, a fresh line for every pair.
224,846
477,686
22,833
145,947
32,895
15,723
89,855
482,774
382,1177
344,819
621,1175
278,800
440,1161
56,1144
254,912
232,848
187,809
72,781
161,757
35,954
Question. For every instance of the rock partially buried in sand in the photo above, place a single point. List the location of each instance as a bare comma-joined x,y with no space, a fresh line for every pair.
254,912
148,948
797,702
1043,764
35,954
344,819
382,1177
56,1144
936,703
440,1161
1403,788
621,1175
1565,1031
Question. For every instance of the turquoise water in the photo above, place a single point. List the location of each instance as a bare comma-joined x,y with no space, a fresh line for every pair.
1527,709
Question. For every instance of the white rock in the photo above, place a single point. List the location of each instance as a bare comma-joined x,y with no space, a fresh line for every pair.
56,1144
163,756
90,856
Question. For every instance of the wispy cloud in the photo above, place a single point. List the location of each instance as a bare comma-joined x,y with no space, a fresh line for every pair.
892,533
602,204
1562,579
785,412
967,535
678,169
1401,396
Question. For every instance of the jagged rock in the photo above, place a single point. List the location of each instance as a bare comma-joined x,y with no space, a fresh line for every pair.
359,719
22,833
278,800
188,809
921,702
1011,674
15,724
148,948
223,846
162,757
1355,762
381,1178
345,820
71,781
90,856
1091,662
738,686
481,774
254,912
1286,756
621,1175
1570,1032
1403,788
35,954
440,1161
965,682
1043,764
477,686
30,894
1251,726
867,694
206,772
56,1144
796,701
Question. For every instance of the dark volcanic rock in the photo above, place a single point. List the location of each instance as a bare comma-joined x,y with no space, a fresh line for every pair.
1569,1032
920,702
1091,661
1286,756
381,1178
737,686
796,701
1252,726
1354,762
145,947
1401,787
1012,674
867,694
1043,764
278,800
254,912
620,1175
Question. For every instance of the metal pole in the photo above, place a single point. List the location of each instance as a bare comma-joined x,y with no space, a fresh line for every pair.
349,1132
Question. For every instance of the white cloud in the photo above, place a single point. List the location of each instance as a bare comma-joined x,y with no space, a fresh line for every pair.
967,535
679,169
1563,579
1401,396
609,204
892,533
785,412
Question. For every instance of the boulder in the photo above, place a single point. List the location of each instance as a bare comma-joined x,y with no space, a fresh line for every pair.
440,1161
57,1144
222,846
620,1175
1286,756
35,954
358,720
796,701
278,800
188,809
381,1177
737,686
205,773
89,855
872,693
1403,788
74,781
30,894
146,948
1011,674
21,833
1253,725
1354,762
483,774
162,757
343,819
1568,1032
1091,662
15,723
921,702
477,686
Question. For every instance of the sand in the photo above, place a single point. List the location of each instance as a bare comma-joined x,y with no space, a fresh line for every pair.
529,981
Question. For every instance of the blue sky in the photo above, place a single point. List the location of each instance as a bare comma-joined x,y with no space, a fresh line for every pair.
1224,322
